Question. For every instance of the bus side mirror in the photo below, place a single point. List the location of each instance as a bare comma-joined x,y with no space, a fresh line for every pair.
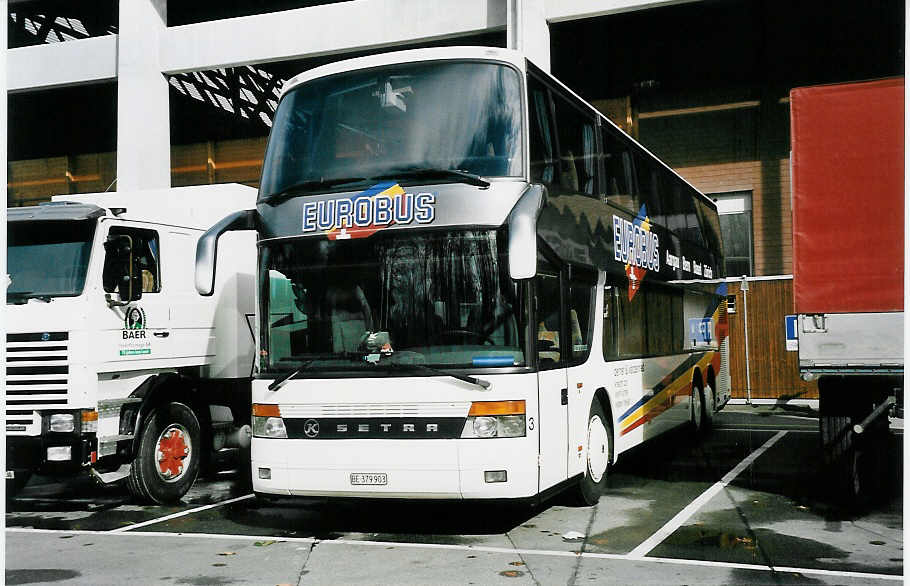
120,269
523,232
207,247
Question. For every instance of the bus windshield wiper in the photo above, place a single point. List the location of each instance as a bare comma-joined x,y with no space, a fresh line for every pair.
418,173
305,186
284,378
477,382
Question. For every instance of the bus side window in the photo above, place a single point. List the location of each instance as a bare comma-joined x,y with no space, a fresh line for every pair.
548,321
618,172
610,324
542,138
575,131
581,295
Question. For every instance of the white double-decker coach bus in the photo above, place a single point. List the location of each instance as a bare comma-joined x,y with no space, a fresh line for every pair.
472,285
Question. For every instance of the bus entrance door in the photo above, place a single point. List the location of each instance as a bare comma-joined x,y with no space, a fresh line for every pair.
552,384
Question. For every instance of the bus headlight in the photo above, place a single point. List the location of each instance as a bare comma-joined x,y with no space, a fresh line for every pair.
495,419
269,427
267,421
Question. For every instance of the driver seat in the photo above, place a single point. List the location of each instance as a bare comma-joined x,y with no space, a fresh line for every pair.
350,317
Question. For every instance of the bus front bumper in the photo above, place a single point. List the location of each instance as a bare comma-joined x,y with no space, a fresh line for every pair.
427,469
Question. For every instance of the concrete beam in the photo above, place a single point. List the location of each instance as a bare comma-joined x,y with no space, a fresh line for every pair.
562,10
322,30
61,64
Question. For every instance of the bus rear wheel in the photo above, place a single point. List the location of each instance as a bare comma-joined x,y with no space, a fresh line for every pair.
598,455
697,410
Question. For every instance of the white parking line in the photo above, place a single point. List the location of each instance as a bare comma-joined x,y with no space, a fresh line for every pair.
180,514
476,548
684,515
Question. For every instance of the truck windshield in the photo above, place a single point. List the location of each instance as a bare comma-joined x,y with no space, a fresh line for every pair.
390,302
47,259
409,119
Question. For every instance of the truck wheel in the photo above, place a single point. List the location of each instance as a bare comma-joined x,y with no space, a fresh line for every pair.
167,461
841,458
13,486
598,455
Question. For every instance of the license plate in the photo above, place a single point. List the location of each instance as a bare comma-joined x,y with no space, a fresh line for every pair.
364,479
10,474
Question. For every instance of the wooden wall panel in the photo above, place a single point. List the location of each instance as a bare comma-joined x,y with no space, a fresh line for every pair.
773,371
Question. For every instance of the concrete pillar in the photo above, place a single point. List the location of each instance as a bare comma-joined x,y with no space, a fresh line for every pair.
143,119
527,30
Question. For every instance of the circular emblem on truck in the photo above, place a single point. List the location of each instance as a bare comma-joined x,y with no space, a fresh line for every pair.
134,319
311,428
45,337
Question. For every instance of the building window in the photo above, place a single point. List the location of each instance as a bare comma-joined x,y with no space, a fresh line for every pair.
735,210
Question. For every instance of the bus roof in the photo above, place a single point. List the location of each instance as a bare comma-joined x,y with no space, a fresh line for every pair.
409,56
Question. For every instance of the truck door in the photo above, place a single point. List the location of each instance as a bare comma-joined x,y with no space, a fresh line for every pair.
552,386
141,328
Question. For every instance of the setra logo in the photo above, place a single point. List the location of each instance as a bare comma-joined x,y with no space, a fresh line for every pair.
311,428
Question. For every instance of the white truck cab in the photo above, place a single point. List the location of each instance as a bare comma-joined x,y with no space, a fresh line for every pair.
115,364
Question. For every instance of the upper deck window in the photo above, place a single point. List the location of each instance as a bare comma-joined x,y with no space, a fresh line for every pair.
351,129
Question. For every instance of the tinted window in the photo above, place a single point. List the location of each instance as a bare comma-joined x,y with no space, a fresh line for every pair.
548,320
363,125
651,323
577,148
543,141
618,171
581,297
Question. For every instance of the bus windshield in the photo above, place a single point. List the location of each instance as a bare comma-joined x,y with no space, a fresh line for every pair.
404,298
352,128
47,259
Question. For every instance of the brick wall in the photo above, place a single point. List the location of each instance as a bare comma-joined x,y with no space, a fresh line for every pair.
723,143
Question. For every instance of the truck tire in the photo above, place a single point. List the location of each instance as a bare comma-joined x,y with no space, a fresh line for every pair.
841,458
14,485
168,457
598,455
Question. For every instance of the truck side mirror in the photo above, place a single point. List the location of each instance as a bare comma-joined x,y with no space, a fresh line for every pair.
120,270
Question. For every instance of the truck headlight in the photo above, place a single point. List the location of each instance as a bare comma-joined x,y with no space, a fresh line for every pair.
62,423
495,419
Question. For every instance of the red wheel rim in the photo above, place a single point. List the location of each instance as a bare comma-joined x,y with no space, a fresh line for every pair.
172,452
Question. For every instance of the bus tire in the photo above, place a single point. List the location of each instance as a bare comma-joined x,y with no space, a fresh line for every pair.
598,456
168,457
710,406
697,410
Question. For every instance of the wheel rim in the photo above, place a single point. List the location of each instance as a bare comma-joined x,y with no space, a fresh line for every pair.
598,449
173,453
696,408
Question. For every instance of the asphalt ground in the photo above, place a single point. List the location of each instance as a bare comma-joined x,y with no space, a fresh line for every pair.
744,504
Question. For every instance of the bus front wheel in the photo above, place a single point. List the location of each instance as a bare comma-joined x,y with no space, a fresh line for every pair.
598,455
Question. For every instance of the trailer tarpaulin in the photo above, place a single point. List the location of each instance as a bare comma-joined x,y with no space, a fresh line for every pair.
848,197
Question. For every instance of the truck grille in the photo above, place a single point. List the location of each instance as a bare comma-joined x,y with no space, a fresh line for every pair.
37,370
